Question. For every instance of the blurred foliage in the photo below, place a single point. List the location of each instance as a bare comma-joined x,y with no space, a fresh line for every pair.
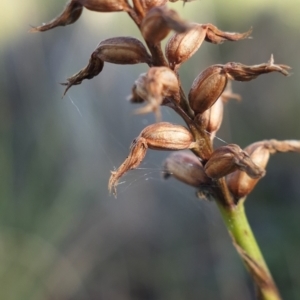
62,236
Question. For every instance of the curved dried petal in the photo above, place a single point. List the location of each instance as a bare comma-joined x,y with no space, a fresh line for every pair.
186,167
181,46
93,68
71,14
216,36
240,72
159,21
74,8
228,159
137,153
207,88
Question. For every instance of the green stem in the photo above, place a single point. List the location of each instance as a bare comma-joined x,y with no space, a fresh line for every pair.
237,224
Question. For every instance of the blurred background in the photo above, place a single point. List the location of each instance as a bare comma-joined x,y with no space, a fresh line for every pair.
62,236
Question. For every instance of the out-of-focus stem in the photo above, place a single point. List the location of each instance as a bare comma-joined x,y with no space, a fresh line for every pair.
244,241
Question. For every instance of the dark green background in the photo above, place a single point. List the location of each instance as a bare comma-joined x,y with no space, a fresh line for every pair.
62,236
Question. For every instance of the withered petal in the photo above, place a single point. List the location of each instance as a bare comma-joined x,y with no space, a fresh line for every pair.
70,15
93,68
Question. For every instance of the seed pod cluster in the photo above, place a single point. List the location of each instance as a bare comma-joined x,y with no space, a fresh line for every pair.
161,85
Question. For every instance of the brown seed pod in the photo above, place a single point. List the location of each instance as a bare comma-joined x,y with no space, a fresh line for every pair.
181,46
207,88
185,167
123,51
158,136
228,159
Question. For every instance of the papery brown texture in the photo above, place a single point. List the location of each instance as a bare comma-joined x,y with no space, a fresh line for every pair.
157,84
185,167
228,159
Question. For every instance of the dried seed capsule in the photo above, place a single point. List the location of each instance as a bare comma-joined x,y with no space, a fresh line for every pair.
228,159
74,8
118,50
123,50
207,88
186,167
239,183
159,136
181,46
159,21
167,136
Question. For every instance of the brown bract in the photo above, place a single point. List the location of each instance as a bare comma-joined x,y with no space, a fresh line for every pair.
159,136
74,8
228,159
